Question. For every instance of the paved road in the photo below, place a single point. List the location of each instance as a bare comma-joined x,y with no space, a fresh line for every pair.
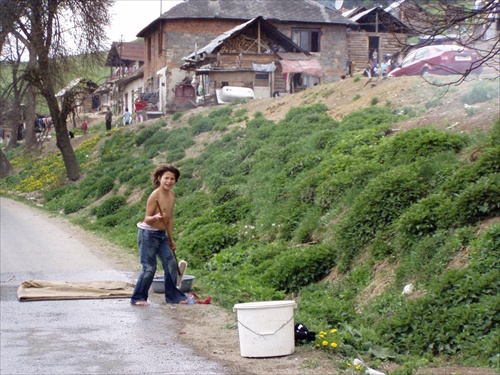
100,336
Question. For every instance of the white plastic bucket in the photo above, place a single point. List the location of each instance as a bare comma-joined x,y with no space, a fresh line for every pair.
266,329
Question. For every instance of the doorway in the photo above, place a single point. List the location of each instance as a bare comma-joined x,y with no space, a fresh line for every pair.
374,49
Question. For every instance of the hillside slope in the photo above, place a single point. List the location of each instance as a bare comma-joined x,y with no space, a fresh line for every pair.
338,197
437,104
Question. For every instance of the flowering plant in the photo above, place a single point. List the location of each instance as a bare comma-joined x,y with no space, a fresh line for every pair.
335,341
328,340
356,367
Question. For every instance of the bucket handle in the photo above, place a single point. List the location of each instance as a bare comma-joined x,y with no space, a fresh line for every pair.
267,333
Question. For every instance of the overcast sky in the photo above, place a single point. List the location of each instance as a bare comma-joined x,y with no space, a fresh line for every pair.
131,16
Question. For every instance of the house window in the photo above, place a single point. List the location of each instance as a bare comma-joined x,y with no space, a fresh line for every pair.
307,39
261,79
262,76
149,49
160,41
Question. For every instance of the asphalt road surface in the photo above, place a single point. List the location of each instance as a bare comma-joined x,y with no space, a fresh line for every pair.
97,336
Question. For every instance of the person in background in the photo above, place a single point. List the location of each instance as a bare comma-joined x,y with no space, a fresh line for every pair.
127,117
155,239
140,104
368,70
48,123
108,118
386,65
84,127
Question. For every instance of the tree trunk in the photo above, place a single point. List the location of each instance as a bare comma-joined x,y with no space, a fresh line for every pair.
15,114
12,142
68,154
30,136
63,141
73,118
5,166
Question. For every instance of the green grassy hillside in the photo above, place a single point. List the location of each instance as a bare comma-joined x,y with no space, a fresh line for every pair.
338,214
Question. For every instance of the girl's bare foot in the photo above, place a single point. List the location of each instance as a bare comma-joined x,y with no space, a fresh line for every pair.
141,303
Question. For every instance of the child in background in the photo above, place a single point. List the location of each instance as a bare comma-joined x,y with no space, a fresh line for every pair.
84,127
127,117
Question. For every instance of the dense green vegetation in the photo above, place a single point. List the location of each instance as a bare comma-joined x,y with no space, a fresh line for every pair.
269,210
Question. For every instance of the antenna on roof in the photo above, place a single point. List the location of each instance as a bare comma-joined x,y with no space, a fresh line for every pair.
338,4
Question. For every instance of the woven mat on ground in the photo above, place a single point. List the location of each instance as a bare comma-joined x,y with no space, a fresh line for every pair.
41,290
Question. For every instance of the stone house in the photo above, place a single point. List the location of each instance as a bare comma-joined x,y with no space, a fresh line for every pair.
193,24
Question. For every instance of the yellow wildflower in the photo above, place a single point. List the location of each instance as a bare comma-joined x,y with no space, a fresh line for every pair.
325,343
333,345
333,330
358,367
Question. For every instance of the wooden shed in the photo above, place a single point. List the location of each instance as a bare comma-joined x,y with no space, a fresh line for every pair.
378,33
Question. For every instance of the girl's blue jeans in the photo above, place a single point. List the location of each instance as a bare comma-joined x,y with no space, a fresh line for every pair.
154,244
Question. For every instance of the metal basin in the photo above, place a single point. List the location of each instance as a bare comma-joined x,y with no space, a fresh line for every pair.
159,284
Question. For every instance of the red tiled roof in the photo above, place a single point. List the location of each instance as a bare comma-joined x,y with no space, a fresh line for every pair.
133,51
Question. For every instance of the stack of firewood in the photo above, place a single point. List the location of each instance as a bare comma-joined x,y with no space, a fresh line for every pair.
245,44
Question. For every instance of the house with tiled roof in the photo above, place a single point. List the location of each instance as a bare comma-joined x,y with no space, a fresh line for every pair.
194,24
125,82
125,57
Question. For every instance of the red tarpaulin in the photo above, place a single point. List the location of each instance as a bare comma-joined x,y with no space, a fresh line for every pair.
308,67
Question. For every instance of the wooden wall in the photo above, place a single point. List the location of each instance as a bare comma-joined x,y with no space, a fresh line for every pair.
358,49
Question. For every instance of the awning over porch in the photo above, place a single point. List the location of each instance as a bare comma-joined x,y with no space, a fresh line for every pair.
309,67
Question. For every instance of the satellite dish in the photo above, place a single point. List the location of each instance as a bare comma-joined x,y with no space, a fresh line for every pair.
338,4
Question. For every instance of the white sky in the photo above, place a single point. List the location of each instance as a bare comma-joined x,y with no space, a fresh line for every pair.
129,17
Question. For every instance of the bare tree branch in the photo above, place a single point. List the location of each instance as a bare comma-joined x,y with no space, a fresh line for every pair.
474,25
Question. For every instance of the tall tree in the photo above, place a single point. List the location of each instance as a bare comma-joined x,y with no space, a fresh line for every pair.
52,30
